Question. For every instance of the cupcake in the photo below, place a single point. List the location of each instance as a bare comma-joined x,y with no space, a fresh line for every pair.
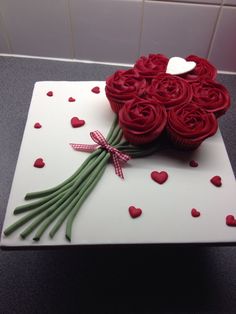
142,121
211,96
170,90
123,86
203,70
150,66
188,126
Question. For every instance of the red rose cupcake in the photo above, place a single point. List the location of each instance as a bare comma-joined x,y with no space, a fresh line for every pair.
142,121
170,90
123,86
149,67
211,96
203,70
189,126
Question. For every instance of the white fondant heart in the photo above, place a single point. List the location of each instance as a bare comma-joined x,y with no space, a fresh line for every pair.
177,65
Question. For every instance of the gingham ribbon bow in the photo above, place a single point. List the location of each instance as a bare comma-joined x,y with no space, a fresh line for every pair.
116,155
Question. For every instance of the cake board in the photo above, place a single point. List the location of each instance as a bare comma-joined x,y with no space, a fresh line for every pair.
104,218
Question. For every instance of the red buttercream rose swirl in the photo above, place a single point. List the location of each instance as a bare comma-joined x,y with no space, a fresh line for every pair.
152,65
170,90
123,86
142,121
189,126
211,96
203,70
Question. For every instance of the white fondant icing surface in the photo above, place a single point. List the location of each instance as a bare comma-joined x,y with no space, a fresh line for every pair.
104,217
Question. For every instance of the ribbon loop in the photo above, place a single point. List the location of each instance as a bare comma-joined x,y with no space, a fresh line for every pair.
100,141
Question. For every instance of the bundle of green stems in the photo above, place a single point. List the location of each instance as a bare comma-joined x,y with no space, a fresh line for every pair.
62,202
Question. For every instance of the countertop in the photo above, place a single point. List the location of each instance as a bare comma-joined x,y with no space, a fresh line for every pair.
103,279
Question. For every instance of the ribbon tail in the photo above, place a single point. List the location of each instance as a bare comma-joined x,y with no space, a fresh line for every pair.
117,165
84,147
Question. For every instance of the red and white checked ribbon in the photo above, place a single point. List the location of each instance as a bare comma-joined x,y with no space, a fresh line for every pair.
116,155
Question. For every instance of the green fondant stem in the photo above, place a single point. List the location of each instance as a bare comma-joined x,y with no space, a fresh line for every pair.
117,135
13,227
64,200
62,210
61,204
111,134
114,135
51,199
30,216
93,177
87,191
138,151
67,182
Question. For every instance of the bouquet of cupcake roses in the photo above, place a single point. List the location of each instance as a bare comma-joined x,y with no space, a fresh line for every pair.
149,101
150,104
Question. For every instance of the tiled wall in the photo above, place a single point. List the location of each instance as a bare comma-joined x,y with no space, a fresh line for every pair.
120,30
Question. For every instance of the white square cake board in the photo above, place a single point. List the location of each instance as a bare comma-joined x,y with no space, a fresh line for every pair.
103,217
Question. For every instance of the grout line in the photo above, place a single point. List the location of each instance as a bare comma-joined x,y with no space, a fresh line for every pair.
67,3
226,5
194,3
214,31
186,2
5,33
226,72
141,30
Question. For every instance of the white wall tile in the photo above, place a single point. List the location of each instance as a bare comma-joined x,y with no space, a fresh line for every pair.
4,47
3,43
106,30
230,2
223,52
38,27
178,29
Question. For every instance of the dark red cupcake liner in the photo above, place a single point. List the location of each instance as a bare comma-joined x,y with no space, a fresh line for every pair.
140,139
115,106
182,143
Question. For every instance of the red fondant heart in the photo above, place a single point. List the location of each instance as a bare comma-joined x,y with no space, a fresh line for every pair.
50,93
76,122
193,163
216,180
96,90
195,212
39,163
135,212
37,125
159,177
230,221
71,99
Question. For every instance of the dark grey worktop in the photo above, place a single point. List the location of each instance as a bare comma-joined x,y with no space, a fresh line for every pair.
122,279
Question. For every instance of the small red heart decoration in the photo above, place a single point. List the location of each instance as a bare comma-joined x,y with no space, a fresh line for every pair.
96,90
71,99
195,212
193,163
159,177
76,122
37,125
135,212
230,221
216,180
39,163
50,93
